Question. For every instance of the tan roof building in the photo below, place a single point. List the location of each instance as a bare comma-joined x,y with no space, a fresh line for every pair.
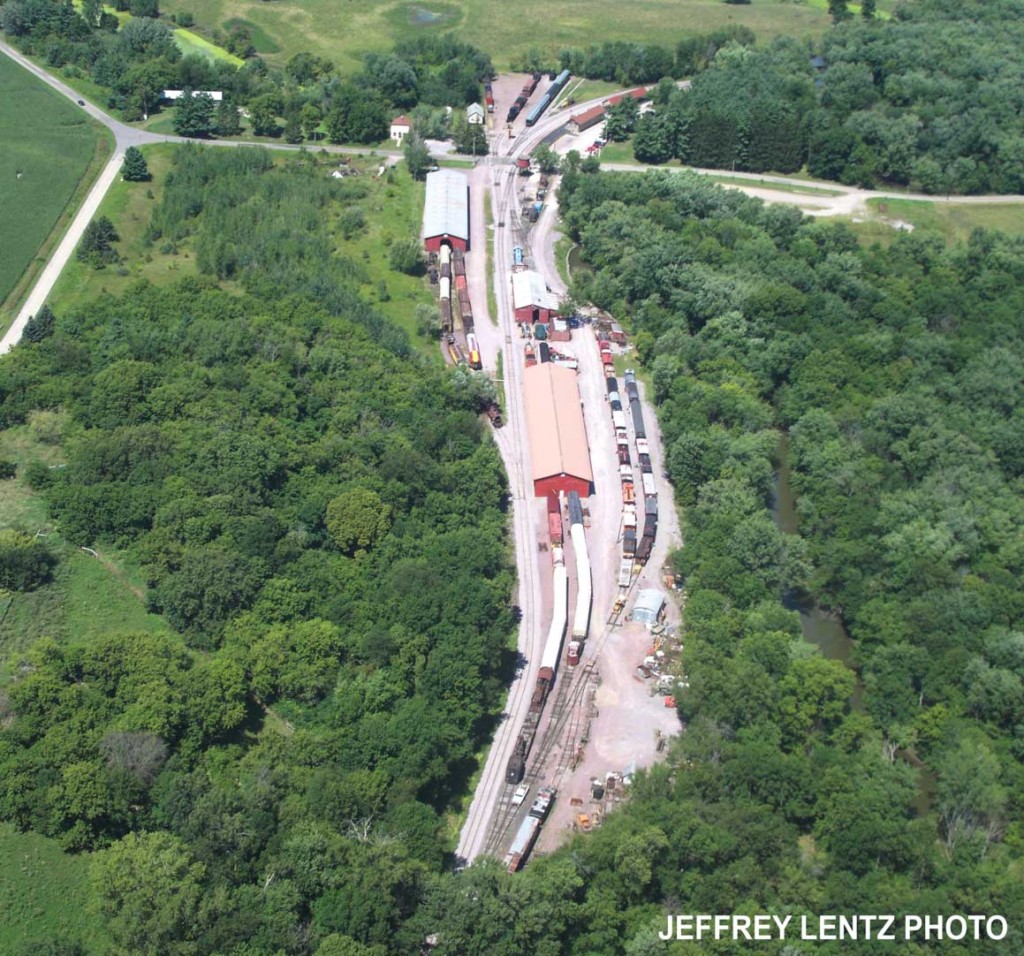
559,453
578,122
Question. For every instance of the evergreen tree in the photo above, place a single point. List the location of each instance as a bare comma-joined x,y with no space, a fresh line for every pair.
40,325
293,129
867,9
95,247
227,121
134,169
193,115
838,10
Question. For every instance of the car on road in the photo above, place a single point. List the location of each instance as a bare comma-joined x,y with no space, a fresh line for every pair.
520,795
81,102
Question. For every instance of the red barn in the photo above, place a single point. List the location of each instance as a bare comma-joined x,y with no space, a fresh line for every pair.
559,453
530,298
446,210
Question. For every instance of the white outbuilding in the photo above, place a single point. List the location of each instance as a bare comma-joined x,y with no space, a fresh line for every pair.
648,607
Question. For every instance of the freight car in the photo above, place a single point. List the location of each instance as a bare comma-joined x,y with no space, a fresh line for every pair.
639,428
522,844
529,828
475,361
556,632
584,587
516,766
548,98
457,356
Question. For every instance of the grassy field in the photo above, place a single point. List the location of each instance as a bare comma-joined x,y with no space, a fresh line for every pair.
392,211
51,152
44,894
189,42
88,595
492,299
345,31
129,206
954,221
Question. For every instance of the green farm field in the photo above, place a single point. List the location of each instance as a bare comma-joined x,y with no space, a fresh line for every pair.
49,155
343,30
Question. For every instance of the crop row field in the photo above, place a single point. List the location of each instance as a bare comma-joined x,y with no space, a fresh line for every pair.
50,150
343,32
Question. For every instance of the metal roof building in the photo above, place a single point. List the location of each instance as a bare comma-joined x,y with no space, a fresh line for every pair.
559,453
446,210
530,297
648,606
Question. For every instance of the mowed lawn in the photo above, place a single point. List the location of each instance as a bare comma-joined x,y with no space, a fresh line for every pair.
954,221
46,148
44,895
343,30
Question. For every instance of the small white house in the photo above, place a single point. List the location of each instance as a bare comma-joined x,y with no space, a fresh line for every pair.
172,95
475,114
400,128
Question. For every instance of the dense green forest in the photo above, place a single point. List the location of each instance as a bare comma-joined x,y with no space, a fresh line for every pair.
320,515
896,374
930,98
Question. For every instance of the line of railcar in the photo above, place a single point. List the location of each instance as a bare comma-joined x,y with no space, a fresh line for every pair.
524,94
645,541
584,581
455,305
548,98
516,766
526,836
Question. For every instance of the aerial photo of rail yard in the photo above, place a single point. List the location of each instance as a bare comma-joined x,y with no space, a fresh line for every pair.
489,480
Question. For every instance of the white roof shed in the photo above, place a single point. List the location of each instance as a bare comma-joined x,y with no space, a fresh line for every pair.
446,208
528,289
648,606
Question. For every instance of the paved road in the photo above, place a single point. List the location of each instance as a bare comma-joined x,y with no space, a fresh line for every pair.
51,273
124,136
